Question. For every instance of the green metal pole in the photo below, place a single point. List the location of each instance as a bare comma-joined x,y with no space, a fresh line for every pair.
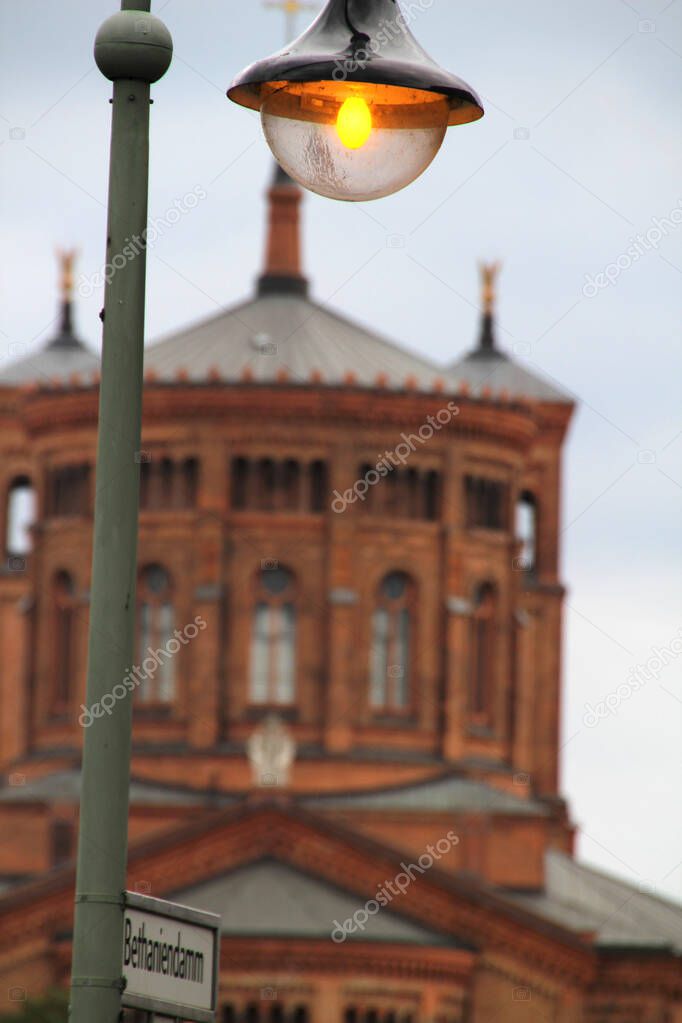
132,49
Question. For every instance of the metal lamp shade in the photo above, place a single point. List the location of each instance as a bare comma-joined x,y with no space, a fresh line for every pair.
357,41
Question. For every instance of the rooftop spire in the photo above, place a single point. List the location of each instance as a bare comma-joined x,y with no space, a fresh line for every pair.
66,337
489,275
282,272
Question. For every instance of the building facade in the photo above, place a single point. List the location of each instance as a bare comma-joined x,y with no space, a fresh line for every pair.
347,683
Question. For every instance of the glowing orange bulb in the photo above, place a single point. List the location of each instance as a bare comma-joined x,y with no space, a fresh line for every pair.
354,123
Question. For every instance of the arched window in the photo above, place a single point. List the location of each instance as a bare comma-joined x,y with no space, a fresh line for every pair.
273,639
64,604
527,530
391,648
155,630
482,653
20,510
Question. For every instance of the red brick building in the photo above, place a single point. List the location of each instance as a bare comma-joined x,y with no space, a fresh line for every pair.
347,681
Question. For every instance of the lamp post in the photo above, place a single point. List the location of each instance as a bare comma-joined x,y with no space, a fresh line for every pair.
132,49
353,109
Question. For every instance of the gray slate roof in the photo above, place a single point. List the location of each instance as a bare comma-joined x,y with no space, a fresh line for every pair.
585,900
271,899
286,333
65,787
63,358
449,795
497,371
54,362
286,338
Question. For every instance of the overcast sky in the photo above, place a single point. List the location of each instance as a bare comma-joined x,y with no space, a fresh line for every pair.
578,153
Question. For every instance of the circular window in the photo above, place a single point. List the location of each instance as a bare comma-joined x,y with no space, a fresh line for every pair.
394,585
156,579
276,580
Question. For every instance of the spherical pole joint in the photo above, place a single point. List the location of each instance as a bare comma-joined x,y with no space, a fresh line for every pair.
133,45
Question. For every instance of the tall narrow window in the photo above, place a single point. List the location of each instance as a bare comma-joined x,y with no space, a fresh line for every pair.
283,486
413,488
20,511
240,479
391,648
191,482
290,486
267,484
318,486
155,631
482,654
64,646
527,531
61,842
167,471
273,639
69,490
486,503
431,495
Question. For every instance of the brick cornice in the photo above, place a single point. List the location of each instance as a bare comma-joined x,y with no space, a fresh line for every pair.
515,424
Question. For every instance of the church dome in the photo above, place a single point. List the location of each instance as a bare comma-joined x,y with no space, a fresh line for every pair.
64,359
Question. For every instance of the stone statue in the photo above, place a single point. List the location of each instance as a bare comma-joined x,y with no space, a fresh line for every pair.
271,750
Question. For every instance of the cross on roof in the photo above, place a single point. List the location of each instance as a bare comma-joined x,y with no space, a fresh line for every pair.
291,9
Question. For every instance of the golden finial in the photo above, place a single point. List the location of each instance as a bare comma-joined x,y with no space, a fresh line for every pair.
489,275
67,258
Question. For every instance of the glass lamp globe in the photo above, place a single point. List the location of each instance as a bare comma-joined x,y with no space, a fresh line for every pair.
354,109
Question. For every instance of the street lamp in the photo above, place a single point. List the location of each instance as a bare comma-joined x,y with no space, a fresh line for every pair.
354,108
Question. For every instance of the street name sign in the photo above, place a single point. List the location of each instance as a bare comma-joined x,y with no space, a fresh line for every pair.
170,958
